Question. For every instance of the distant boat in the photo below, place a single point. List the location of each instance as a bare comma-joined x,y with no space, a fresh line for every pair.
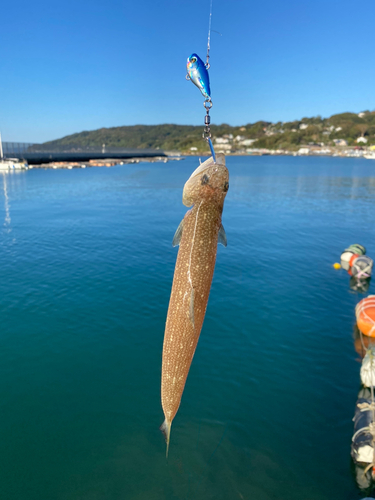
370,156
11,163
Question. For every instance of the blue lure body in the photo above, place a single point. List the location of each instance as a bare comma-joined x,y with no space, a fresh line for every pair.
198,74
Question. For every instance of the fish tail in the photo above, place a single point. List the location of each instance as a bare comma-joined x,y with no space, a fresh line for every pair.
166,430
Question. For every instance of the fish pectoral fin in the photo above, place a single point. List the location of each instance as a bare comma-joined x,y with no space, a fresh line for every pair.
191,308
222,236
178,234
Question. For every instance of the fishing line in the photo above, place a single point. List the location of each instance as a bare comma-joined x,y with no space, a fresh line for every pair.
209,37
207,118
197,72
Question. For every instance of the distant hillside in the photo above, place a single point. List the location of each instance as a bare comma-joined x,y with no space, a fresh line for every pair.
350,127
166,137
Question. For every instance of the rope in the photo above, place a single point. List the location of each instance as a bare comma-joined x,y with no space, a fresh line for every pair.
363,430
365,406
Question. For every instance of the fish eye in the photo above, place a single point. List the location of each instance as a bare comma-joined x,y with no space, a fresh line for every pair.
193,59
226,187
204,179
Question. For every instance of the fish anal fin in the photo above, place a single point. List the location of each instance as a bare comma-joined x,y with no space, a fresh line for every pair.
222,236
191,308
166,430
178,234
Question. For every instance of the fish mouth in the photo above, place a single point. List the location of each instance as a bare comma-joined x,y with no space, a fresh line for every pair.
195,178
220,162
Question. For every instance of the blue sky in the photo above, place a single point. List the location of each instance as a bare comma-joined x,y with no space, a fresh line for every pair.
82,65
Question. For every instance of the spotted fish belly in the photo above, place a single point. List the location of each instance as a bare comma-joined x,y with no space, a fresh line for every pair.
190,290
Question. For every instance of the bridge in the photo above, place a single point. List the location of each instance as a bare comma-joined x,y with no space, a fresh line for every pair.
36,154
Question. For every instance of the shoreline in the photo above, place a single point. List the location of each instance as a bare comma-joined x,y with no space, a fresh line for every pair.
110,162
343,152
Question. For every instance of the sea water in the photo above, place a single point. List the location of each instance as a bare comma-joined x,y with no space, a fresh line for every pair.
86,267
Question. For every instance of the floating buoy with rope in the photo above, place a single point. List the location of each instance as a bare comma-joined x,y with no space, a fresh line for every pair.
365,315
362,449
361,267
348,253
363,440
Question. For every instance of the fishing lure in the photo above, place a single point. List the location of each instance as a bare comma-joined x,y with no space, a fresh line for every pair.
198,74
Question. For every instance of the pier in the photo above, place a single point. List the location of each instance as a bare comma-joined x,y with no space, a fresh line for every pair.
37,154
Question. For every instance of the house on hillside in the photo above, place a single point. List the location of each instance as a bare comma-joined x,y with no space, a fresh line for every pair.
362,139
247,142
304,151
340,142
224,148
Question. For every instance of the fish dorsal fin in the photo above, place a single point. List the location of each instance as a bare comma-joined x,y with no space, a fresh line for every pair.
191,308
178,234
222,236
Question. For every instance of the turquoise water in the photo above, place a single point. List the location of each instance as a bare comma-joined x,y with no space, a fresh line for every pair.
86,269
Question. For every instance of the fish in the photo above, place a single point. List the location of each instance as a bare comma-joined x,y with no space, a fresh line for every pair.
198,74
197,236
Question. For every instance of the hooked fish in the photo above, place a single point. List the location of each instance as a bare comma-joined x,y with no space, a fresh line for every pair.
198,74
198,235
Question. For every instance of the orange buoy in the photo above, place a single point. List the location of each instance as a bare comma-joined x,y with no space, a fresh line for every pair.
365,314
